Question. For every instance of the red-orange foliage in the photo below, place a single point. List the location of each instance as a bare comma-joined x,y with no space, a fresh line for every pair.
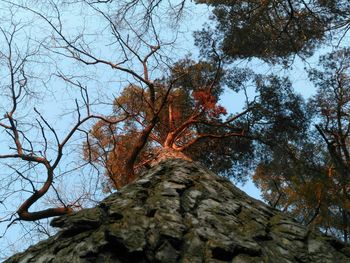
206,101
184,115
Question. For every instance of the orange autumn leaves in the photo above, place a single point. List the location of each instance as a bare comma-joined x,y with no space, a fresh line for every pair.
206,101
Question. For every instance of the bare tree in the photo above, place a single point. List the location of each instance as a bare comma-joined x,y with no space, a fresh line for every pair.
138,57
35,148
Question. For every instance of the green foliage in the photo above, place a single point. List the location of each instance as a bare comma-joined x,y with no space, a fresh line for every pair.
278,113
301,148
308,175
271,29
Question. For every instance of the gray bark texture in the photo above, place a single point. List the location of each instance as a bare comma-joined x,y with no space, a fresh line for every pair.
181,212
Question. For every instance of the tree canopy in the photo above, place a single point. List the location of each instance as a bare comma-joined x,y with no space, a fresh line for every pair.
190,119
300,147
309,175
123,89
272,30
